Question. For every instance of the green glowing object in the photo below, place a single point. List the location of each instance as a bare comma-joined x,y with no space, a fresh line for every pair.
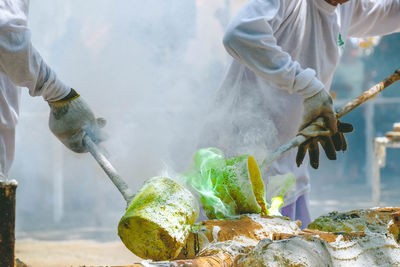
224,186
280,185
276,204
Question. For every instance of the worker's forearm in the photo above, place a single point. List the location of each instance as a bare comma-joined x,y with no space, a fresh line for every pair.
258,50
20,61
250,39
25,67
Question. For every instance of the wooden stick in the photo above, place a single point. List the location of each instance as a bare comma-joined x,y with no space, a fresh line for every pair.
373,91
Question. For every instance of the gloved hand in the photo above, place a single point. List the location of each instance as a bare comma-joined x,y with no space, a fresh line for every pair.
318,133
319,105
71,119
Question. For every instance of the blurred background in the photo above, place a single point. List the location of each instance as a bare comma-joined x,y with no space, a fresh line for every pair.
151,68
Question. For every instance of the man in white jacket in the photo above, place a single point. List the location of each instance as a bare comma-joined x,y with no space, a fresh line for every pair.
22,66
284,56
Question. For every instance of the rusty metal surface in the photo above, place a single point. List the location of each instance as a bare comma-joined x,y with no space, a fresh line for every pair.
372,92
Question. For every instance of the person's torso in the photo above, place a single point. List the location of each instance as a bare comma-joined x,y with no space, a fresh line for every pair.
251,115
313,33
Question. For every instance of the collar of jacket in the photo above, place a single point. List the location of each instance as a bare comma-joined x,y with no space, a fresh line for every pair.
324,6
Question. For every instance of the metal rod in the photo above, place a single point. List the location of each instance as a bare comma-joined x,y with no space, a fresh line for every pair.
373,91
277,153
109,169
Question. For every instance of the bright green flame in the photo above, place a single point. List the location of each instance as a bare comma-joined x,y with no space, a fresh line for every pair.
282,184
224,186
208,178
221,185
276,204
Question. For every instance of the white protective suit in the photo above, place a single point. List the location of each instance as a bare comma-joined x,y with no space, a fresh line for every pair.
20,66
284,50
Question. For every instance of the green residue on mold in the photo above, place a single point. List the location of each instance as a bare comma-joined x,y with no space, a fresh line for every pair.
338,222
240,185
157,222
221,184
208,178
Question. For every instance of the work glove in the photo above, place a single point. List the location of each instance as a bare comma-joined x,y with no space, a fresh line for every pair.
71,119
319,105
318,133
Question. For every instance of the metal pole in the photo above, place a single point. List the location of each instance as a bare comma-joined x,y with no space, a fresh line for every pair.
109,169
7,222
369,140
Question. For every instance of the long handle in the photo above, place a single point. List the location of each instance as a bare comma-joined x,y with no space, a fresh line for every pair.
109,169
373,91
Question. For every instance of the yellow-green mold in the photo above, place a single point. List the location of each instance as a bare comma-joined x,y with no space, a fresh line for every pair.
157,221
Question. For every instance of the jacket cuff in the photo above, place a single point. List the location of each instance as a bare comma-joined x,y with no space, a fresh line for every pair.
307,84
55,90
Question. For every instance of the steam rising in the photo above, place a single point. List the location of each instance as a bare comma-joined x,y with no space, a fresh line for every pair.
150,68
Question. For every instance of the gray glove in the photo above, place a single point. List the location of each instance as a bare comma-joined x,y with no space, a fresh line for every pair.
71,119
319,105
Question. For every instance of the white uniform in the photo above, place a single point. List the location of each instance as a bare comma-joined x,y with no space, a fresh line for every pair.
284,50
20,65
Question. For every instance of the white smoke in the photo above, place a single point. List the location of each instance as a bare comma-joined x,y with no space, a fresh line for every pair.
150,68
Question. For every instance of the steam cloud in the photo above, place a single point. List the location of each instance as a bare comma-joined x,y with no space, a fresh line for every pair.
150,68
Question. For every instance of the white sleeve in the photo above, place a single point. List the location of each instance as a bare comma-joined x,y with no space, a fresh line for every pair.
19,60
372,18
250,40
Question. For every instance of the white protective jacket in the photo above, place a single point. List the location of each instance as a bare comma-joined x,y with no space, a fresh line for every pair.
284,50
20,66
